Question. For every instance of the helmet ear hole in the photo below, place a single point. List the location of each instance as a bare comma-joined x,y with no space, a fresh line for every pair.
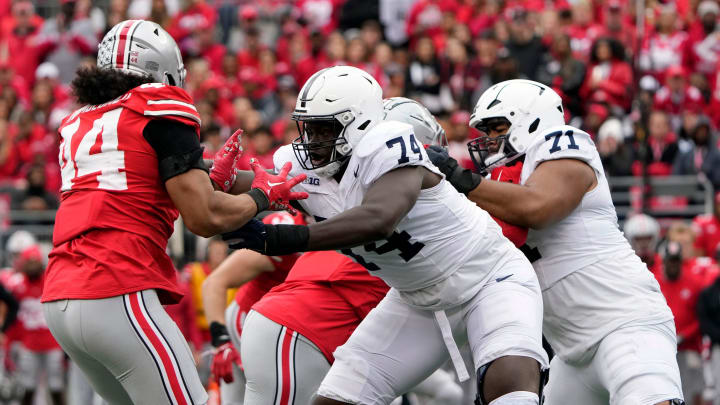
364,125
170,80
534,126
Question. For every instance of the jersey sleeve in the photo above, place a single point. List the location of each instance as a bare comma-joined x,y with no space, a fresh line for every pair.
157,100
388,146
563,143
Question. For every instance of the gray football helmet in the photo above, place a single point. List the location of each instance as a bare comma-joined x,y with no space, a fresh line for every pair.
142,47
427,129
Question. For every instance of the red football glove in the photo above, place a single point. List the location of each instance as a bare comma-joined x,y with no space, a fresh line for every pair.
276,187
222,362
223,171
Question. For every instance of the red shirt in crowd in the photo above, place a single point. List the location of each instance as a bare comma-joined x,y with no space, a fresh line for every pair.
324,298
191,19
30,329
682,295
707,234
254,290
115,215
675,103
608,83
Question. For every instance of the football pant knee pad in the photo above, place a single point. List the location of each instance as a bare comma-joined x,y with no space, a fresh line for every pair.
544,375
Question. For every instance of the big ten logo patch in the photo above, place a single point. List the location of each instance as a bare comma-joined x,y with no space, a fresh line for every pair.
313,181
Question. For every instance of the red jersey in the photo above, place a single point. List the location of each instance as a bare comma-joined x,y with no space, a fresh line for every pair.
115,215
324,297
251,292
707,231
675,103
682,295
510,174
31,329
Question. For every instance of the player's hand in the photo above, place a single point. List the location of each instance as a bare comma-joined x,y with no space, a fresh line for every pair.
464,180
250,236
269,240
222,362
275,188
224,171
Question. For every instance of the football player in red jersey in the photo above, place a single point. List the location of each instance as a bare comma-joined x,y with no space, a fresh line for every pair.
707,231
38,350
254,275
130,161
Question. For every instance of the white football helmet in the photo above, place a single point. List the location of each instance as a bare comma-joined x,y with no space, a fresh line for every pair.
427,130
642,226
528,107
342,100
144,48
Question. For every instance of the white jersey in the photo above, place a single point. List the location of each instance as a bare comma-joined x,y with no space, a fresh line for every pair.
440,235
590,233
592,281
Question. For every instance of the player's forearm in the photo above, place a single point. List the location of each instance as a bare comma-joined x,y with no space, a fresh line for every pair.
354,227
512,203
214,298
227,212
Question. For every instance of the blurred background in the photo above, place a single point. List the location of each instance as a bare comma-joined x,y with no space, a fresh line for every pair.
640,76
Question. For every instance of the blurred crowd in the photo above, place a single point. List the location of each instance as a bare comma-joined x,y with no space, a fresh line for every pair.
641,77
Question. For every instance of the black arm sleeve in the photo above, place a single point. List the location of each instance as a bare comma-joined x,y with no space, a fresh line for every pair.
176,145
12,308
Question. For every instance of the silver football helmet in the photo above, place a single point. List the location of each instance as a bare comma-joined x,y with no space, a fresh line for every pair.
145,48
427,130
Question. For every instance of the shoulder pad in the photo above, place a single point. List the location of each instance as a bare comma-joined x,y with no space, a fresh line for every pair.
157,100
379,135
561,142
388,146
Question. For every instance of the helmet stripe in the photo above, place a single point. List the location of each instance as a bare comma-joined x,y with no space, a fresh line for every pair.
120,59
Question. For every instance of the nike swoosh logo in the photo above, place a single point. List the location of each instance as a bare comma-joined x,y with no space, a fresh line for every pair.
274,184
503,278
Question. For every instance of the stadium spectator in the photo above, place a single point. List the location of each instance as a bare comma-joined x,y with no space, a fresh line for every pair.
423,78
17,37
700,153
609,77
703,45
564,73
65,39
524,45
663,47
618,27
584,29
678,95
662,147
707,230
681,281
35,196
616,154
196,15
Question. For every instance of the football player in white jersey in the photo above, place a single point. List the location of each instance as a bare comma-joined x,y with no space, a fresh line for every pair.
604,315
454,277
